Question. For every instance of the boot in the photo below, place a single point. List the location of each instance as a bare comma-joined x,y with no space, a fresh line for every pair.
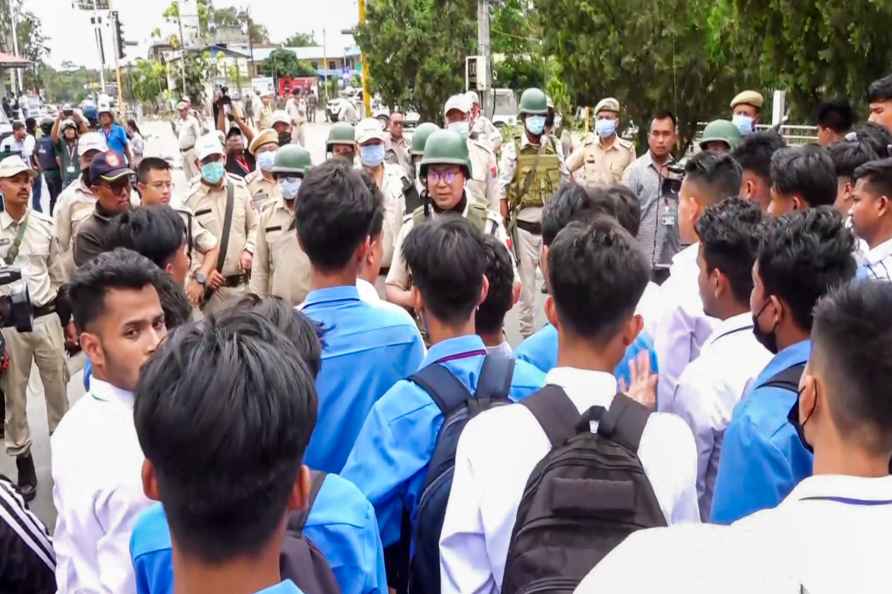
2,414
27,476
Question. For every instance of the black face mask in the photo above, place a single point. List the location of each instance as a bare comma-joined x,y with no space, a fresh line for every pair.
284,138
766,339
793,417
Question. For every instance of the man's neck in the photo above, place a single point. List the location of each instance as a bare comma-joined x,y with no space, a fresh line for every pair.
492,339
16,211
376,172
532,139
731,309
98,374
215,186
659,160
438,331
839,457
246,575
267,175
345,277
880,237
574,352
607,142
789,335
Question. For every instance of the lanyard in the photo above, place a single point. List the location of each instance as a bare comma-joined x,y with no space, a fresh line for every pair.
851,501
13,252
464,355
730,332
72,151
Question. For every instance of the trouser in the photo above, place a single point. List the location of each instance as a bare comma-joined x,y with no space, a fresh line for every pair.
223,297
528,247
297,134
54,183
189,164
44,345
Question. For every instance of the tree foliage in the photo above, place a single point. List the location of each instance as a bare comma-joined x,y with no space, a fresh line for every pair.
70,84
283,62
301,40
211,18
519,62
148,80
32,43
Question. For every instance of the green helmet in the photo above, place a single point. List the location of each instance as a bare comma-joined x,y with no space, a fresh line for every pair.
445,147
533,102
721,131
422,133
340,133
292,158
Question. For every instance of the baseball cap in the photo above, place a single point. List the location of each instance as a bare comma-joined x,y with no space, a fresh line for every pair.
280,116
208,145
108,166
265,137
104,108
607,104
14,165
369,129
459,102
91,141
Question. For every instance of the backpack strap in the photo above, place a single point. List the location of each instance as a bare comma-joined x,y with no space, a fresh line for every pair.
443,387
495,376
624,422
555,412
788,379
298,520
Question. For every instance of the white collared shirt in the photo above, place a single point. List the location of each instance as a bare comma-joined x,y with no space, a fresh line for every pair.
878,261
684,327
709,389
650,307
829,535
489,482
97,491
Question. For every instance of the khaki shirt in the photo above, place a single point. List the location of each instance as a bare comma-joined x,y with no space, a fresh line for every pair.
398,154
265,117
280,267
39,257
508,169
188,132
263,191
202,240
486,132
209,206
394,209
484,183
601,165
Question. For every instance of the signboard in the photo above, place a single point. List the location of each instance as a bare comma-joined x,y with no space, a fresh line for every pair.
263,84
92,4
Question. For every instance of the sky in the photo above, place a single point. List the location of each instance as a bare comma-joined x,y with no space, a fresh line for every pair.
71,35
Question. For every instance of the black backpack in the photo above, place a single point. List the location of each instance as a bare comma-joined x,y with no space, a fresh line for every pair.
583,498
458,407
300,560
788,379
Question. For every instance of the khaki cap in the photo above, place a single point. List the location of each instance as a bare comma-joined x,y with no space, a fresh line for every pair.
607,104
749,98
268,136
14,165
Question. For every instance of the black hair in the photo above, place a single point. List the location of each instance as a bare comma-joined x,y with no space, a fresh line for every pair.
802,256
132,123
880,90
663,114
852,337
174,303
224,410
116,269
716,176
597,273
378,220
626,207
837,115
754,153
876,135
334,213
31,124
157,232
18,125
878,174
443,257
807,171
233,131
298,328
848,156
572,202
46,127
499,270
729,237
150,164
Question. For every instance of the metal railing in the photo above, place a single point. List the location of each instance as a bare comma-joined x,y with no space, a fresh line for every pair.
793,134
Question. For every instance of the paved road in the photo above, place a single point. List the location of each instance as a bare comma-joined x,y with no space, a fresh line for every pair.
161,142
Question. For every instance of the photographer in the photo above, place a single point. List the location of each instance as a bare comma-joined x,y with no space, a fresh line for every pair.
27,241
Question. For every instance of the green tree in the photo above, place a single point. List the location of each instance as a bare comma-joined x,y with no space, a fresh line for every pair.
516,46
301,40
70,84
32,43
283,62
148,81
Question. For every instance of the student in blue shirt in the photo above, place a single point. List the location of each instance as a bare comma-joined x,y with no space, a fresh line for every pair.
366,347
223,412
390,458
341,522
115,134
803,256
574,203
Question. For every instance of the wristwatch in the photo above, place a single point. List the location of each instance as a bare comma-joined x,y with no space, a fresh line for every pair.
201,278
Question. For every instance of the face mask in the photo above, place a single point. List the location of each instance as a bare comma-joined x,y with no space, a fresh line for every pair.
766,339
284,138
213,172
605,128
793,417
535,125
744,123
289,186
463,128
371,155
265,160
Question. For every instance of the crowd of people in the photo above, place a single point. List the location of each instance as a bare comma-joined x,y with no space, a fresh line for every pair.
298,377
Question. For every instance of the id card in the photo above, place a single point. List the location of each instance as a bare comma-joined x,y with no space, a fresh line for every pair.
668,220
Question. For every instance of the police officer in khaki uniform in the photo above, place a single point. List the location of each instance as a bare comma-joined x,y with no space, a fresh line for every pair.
482,128
187,130
532,170
746,108
603,156
209,200
261,182
281,267
484,183
27,242
446,170
265,117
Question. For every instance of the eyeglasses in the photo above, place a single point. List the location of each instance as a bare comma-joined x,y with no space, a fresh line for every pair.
447,176
119,186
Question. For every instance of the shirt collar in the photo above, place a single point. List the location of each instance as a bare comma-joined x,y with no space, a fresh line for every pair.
854,490
880,252
105,392
585,388
790,356
366,290
330,294
739,323
650,159
454,348
283,587
688,255
6,220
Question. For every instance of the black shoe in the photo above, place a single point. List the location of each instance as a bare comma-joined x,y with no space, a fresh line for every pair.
27,477
2,414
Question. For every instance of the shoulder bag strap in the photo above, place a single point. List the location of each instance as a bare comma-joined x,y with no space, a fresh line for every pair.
13,252
624,422
788,379
555,412
495,377
227,225
298,520
444,388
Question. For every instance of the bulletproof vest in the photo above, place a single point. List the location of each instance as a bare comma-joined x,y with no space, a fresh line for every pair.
476,216
538,174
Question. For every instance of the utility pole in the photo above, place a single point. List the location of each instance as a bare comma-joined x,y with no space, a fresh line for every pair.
119,53
484,49
366,96
250,46
98,29
182,51
15,43
324,64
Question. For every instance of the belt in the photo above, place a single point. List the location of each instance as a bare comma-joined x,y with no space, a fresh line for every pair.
45,309
235,280
534,228
187,149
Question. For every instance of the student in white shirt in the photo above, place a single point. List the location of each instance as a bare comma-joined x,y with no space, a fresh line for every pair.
96,458
489,319
714,382
830,534
596,275
684,328
872,217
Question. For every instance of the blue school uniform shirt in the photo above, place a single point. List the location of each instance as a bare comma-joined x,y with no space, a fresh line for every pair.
116,138
366,348
283,587
762,456
390,458
341,524
541,349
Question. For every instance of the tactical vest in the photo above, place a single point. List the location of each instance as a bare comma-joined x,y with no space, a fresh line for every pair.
476,216
537,176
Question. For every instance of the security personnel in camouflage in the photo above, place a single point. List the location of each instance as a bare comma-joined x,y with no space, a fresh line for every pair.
341,142
603,156
532,169
446,169
281,268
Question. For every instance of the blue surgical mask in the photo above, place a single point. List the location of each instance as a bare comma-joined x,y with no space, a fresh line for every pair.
213,172
371,155
462,127
744,123
289,186
605,128
535,124
266,160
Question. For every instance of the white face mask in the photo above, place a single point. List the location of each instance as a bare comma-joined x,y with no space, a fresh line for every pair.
462,127
266,160
289,187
